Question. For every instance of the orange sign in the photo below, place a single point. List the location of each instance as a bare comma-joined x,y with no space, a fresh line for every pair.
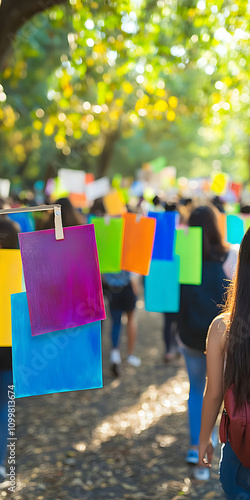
138,241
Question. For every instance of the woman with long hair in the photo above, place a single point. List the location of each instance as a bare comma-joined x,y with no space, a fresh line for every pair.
198,309
228,364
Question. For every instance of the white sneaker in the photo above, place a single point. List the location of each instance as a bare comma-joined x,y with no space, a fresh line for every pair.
115,357
201,473
134,361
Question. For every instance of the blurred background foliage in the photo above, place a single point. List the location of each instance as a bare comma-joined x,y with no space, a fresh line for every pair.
106,86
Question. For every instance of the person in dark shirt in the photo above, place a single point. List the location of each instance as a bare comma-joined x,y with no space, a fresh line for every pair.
8,240
199,306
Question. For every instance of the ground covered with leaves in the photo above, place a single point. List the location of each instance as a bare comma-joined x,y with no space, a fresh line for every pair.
125,441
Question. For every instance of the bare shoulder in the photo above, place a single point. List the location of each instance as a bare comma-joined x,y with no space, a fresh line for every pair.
217,330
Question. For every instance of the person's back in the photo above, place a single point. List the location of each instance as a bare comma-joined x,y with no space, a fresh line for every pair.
199,306
228,377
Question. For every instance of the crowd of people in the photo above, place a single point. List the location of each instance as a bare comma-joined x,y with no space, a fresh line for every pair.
215,363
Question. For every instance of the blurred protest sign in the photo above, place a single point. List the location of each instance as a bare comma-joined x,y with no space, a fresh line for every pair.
236,189
113,203
62,278
11,282
55,189
89,177
137,188
232,208
72,180
158,164
219,183
109,234
167,177
116,181
189,248
25,220
4,188
67,360
246,221
138,240
162,287
97,189
78,200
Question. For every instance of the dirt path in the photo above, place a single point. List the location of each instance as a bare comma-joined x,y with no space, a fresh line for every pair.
125,441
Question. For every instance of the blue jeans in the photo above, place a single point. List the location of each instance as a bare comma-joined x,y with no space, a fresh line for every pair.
169,331
116,315
196,367
235,478
5,381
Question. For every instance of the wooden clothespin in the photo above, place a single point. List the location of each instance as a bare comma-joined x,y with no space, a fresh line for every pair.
57,215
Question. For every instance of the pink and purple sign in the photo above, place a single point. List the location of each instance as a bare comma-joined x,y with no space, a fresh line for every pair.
62,278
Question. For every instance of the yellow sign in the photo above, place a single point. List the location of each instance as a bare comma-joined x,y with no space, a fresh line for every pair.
11,282
219,183
113,204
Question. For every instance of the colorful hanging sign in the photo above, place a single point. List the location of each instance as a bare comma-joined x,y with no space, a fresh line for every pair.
189,248
11,282
222,221
162,287
62,278
164,235
138,241
113,204
67,360
235,229
109,243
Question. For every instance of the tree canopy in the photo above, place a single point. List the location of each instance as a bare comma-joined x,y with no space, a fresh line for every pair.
106,86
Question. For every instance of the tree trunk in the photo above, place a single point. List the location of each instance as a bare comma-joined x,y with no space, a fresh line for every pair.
13,15
107,152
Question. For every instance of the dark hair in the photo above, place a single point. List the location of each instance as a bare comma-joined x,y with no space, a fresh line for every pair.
218,203
213,246
170,207
237,370
98,208
8,233
70,216
245,209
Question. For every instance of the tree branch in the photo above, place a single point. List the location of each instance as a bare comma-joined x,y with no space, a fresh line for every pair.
13,15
